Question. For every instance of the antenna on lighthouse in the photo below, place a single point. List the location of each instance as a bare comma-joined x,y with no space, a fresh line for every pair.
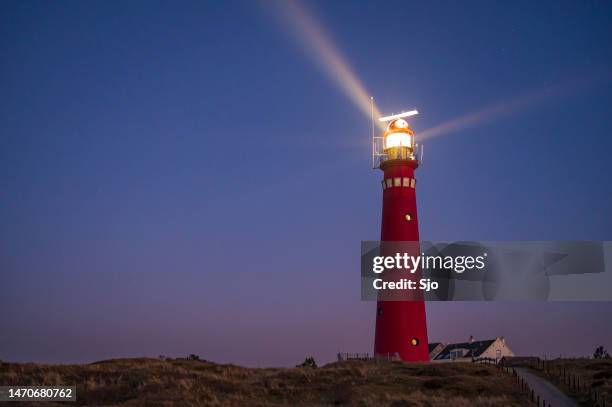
373,134
377,141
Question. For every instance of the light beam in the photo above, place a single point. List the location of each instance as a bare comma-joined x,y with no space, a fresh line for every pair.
321,48
511,106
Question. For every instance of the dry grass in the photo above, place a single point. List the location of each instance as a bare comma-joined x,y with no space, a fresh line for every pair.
152,382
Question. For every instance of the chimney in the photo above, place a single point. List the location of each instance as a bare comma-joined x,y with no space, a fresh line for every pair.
471,338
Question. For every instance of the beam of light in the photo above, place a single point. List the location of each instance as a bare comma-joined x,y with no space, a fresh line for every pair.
312,35
398,116
481,116
314,38
507,107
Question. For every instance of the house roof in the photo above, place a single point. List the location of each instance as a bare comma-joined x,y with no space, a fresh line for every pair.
434,345
474,349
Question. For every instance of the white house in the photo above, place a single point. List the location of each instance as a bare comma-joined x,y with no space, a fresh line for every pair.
467,351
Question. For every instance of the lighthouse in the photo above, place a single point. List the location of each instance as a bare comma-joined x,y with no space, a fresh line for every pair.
401,326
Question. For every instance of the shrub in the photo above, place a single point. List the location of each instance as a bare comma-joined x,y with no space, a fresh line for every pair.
601,353
308,362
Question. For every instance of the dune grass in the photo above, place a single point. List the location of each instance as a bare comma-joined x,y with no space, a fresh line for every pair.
180,382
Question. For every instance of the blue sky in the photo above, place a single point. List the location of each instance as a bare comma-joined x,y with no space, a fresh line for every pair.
186,178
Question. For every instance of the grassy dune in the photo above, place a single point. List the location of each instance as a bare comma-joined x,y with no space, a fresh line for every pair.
152,382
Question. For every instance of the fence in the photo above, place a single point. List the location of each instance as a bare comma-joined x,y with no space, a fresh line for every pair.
535,398
567,378
577,385
367,356
488,361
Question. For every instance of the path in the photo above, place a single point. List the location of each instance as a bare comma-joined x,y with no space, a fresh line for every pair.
545,389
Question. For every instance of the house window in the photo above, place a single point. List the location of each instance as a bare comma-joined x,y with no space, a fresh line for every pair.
498,354
456,354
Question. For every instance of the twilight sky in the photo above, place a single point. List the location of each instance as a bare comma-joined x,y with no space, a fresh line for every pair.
186,177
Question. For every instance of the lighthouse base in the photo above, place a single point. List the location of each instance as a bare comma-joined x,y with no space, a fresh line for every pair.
401,330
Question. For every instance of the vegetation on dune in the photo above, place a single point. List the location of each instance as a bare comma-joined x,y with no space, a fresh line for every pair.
192,382
601,353
308,362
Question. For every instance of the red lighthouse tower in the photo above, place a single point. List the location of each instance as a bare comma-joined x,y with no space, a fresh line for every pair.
401,326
